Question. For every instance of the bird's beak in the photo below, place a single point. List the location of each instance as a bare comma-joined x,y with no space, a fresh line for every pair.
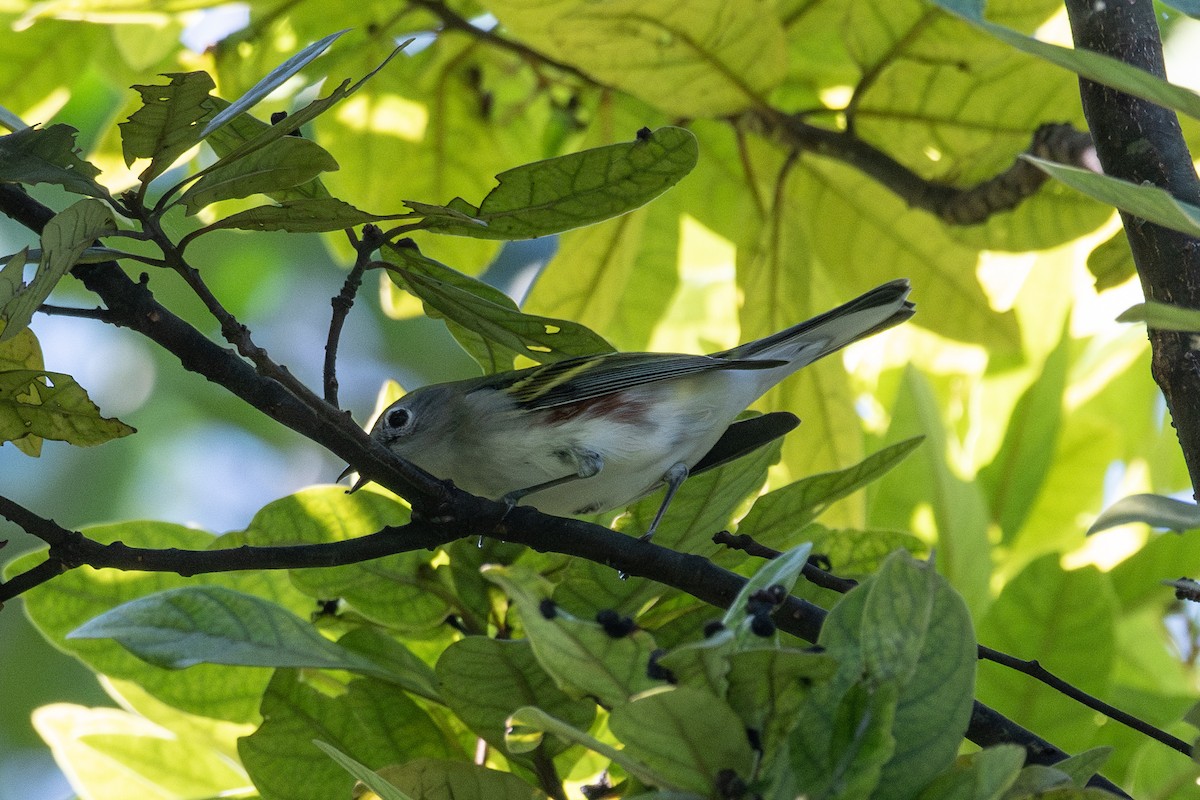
357,484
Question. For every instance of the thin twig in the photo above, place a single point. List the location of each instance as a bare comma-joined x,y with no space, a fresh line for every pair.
101,314
453,21
1036,671
344,301
812,573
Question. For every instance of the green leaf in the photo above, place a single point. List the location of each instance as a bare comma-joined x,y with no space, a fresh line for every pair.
1016,475
302,215
372,779
370,721
1163,316
860,741
50,405
581,657
397,591
1082,766
1111,263
71,599
1041,781
485,680
254,134
571,191
108,750
1142,200
697,59
1087,63
272,81
779,514
430,778
985,775
168,123
854,222
686,735
64,239
916,630
856,552
527,724
767,686
182,627
907,630
283,164
21,352
48,155
782,571
396,662
1155,510
486,322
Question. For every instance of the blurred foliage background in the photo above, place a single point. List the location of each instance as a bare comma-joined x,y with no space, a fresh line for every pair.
1038,407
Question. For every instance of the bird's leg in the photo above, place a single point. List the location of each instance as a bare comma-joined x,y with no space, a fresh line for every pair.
587,464
674,477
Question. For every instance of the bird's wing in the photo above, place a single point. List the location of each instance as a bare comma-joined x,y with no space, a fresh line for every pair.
584,378
744,437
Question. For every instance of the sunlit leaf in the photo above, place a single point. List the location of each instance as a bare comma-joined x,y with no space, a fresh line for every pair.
571,191
1163,316
168,123
1111,263
50,405
283,164
273,80
1016,475
1087,63
1152,509
790,508
1143,200
64,239
488,324
108,749
698,58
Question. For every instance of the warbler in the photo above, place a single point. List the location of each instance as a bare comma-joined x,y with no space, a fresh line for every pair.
594,433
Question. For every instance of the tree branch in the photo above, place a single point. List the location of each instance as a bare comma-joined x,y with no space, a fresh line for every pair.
951,204
1141,142
133,306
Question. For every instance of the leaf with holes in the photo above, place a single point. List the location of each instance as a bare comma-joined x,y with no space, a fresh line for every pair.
52,406
48,155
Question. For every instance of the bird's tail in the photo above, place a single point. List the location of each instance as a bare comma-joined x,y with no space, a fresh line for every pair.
877,310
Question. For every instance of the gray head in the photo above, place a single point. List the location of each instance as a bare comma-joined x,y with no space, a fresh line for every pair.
417,425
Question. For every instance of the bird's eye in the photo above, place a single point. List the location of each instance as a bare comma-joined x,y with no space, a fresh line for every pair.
398,418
